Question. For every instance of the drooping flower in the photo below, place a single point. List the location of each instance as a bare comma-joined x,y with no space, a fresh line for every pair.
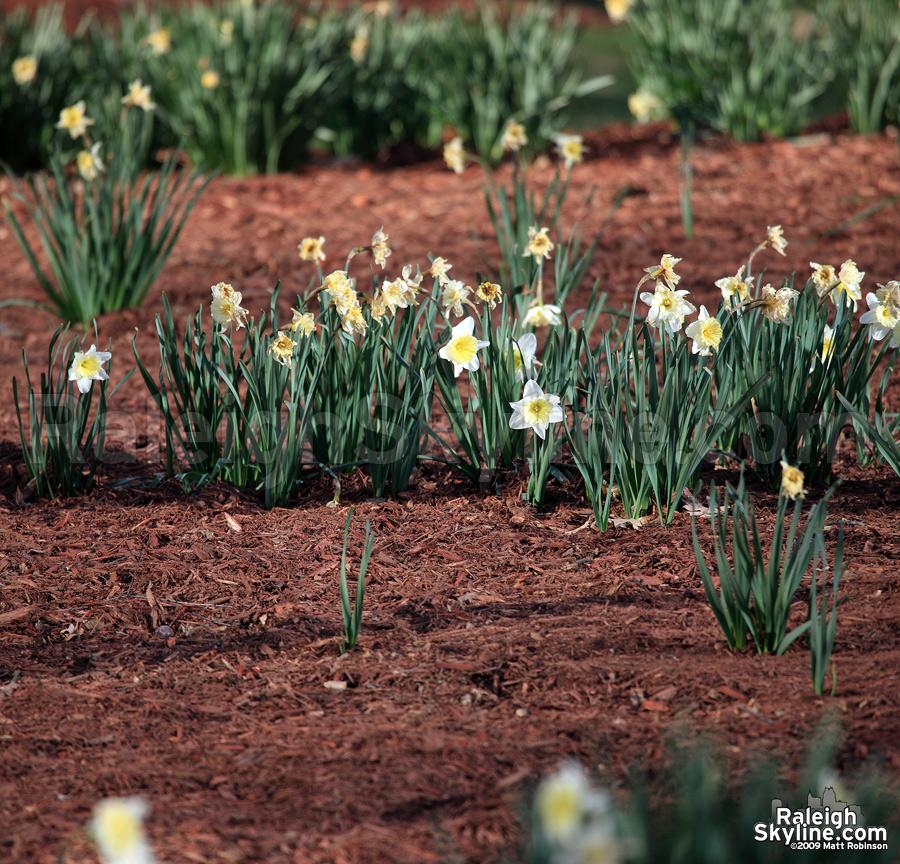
353,321
849,279
453,296
380,249
775,239
89,162
665,271
87,367
706,333
138,96
570,148
438,269
74,120
824,277
118,830
514,137
159,41
523,350
646,106
226,306
542,315
735,289
792,481
455,155
209,80
879,317
539,243
667,307
776,305
489,293
535,410
282,349
560,802
312,249
24,69
618,9
341,290
303,322
462,349
412,283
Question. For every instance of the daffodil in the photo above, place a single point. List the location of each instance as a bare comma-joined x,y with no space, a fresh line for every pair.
824,277
849,279
138,96
341,290
523,350
792,481
776,305
618,9
879,318
535,410
775,239
462,349
895,336
209,80
539,243
665,271
24,69
159,41
312,249
735,289
453,296
118,831
889,295
303,322
74,120
560,803
827,345
439,269
282,349
455,155
380,249
352,321
489,293
646,106
87,367
570,148
226,308
359,46
412,283
667,307
89,162
395,294
514,137
706,333
542,315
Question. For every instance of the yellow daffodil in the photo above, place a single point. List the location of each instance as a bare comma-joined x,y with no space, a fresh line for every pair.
706,333
359,46
514,137
439,268
74,120
87,367
312,249
542,315
462,349
539,243
303,322
159,41
646,106
665,271
889,295
89,162
118,831
353,322
848,286
776,305
824,277
226,31
341,290
618,10
735,289
879,317
282,349
791,481
138,96
895,336
489,293
209,80
24,69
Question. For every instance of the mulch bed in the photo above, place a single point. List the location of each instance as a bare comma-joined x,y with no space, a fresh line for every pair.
185,648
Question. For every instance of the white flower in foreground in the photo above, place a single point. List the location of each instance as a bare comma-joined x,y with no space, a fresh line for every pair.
535,410
514,137
87,367
455,155
667,307
226,308
523,350
561,801
462,349
74,120
542,315
453,296
24,69
118,831
570,148
89,162
706,333
138,96
878,317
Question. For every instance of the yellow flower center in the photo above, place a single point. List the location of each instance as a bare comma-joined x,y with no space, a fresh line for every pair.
120,830
792,481
462,349
88,366
711,332
71,117
884,317
537,410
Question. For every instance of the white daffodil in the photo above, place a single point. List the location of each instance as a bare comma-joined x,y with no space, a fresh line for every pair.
453,296
706,333
776,305
462,349
535,410
74,120
539,243
138,96
282,349
380,249
849,279
542,315
439,268
879,318
312,249
226,308
341,290
523,350
89,162
646,106
560,802
775,239
570,148
455,155
24,69
87,367
824,277
159,41
735,289
514,137
395,294
118,831
665,271
667,307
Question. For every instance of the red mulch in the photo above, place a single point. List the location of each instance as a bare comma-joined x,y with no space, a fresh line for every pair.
185,649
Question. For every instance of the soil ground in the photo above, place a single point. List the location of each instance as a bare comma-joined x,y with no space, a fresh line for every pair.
185,648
